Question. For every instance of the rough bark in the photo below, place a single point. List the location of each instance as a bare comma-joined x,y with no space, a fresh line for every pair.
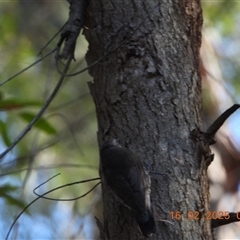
148,95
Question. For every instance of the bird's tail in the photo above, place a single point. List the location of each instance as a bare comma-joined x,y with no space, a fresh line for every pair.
146,223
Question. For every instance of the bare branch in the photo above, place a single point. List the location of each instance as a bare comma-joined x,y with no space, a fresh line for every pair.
42,196
230,218
40,113
211,131
25,69
67,185
73,26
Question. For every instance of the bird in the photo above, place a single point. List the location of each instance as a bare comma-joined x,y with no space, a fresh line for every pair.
127,177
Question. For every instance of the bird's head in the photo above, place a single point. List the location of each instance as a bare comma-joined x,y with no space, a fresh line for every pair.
110,144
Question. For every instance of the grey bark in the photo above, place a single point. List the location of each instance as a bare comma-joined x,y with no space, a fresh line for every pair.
148,95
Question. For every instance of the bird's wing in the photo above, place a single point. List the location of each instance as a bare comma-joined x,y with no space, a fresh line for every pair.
129,185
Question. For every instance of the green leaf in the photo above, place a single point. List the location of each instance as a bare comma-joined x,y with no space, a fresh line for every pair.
7,188
14,201
14,103
10,199
41,123
4,133
1,95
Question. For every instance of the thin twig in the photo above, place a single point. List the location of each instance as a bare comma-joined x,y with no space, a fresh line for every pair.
23,157
53,166
67,185
25,69
40,113
71,101
51,39
42,196
70,129
19,215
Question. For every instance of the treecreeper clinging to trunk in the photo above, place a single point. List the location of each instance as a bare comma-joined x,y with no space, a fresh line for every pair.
127,177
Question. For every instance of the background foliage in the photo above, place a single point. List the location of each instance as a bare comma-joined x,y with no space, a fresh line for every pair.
64,140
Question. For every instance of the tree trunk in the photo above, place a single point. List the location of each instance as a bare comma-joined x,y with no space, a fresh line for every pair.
148,95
